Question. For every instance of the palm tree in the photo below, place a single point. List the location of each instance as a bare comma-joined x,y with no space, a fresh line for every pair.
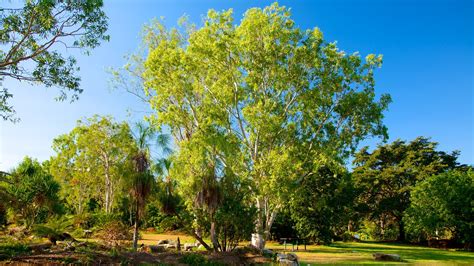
142,178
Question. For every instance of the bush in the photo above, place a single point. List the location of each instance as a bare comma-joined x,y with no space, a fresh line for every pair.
196,259
34,193
234,222
56,229
114,233
157,219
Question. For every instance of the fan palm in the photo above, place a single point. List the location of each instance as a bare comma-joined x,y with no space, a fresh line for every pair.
142,178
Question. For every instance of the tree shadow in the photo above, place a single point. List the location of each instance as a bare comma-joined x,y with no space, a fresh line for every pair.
406,252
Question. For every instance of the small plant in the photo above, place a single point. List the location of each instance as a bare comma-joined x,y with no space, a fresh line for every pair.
54,230
196,259
114,252
193,259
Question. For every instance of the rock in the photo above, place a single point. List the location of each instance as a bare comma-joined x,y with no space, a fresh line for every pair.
292,257
164,241
190,246
171,246
287,259
288,262
157,249
386,257
267,252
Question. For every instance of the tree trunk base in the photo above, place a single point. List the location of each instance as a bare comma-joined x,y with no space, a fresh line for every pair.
258,241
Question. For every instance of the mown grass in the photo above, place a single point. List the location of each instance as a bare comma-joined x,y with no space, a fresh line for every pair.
361,253
336,253
152,238
352,252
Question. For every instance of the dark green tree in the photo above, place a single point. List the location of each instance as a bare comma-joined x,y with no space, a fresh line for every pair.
33,37
443,205
386,176
321,206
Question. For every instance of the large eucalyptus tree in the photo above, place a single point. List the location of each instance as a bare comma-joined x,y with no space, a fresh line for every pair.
260,99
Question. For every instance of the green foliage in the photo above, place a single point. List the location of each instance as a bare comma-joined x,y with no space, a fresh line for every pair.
55,229
9,249
196,259
234,218
162,222
386,176
322,205
443,205
3,215
193,259
261,99
113,233
34,194
92,161
32,36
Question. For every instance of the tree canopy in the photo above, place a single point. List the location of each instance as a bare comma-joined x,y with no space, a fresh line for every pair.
386,176
443,206
91,160
261,99
33,38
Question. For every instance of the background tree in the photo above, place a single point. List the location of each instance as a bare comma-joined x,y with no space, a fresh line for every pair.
92,159
443,205
33,193
271,94
386,176
4,183
33,37
322,205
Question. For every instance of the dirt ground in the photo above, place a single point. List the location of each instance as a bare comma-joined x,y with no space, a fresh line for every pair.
96,254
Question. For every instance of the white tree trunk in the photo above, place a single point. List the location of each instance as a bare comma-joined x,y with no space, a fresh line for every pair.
108,186
265,218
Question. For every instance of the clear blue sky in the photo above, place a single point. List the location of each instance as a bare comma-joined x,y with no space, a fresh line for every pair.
428,68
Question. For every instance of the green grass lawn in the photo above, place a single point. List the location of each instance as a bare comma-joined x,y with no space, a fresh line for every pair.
361,253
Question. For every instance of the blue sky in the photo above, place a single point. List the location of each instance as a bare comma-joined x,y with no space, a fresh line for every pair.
428,68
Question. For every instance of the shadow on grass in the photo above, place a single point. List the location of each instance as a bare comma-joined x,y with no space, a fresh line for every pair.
407,252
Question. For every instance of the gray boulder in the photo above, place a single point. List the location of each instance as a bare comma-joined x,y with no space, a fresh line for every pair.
289,259
164,241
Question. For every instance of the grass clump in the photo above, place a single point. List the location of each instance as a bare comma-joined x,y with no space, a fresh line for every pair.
9,250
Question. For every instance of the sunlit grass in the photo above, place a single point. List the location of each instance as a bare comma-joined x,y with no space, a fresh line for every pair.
361,253
152,239
348,253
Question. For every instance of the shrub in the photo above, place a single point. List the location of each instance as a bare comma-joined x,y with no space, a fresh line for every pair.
55,230
196,259
114,233
33,192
